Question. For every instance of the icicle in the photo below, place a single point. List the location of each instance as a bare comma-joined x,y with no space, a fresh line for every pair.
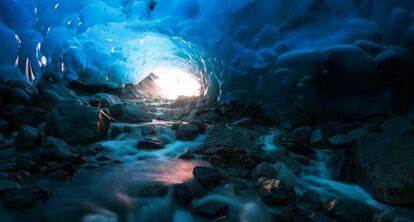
43,61
27,70
16,63
57,5
18,40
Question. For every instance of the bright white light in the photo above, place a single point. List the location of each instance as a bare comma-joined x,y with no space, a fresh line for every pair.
175,82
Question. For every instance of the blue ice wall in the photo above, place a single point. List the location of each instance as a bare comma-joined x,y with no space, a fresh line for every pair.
353,55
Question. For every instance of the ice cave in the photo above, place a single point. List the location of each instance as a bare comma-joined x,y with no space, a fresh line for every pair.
206,110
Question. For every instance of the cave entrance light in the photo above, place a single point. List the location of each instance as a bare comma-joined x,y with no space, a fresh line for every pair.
175,82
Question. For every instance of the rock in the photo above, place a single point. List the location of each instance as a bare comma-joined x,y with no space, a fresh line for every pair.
58,175
212,209
55,149
129,113
23,198
302,133
396,124
93,88
341,141
19,97
264,170
316,139
207,177
240,138
275,192
383,162
311,200
24,115
27,138
107,100
151,143
347,210
290,118
244,122
210,116
182,194
48,98
27,165
187,131
396,215
77,124
8,185
152,190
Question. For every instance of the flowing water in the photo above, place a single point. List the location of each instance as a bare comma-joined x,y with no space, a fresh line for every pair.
108,193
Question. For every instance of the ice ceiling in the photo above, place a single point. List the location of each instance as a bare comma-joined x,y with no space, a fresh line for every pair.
310,52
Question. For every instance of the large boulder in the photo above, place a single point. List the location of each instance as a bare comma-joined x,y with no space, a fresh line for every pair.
129,113
25,115
384,160
207,177
236,137
187,131
77,124
27,138
348,210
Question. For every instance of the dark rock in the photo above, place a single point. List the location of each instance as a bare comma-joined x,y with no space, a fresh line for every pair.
240,138
27,165
212,209
24,115
27,138
8,185
396,215
397,124
93,88
210,116
207,177
151,143
182,194
384,160
311,200
107,100
58,175
55,149
51,95
23,198
341,141
152,190
316,139
275,192
350,210
244,122
129,113
77,124
19,97
187,131
264,170
302,133
290,118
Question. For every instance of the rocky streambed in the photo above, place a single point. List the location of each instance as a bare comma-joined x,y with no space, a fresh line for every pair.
101,152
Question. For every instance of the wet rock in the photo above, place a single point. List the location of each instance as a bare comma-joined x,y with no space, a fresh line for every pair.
209,116
396,215
207,177
310,200
23,198
397,124
24,115
182,194
275,192
129,113
244,122
187,131
93,88
240,138
8,185
55,149
350,210
302,133
384,161
290,118
107,100
152,190
48,99
212,209
264,170
316,139
58,175
341,141
19,97
27,138
151,143
27,165
77,124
